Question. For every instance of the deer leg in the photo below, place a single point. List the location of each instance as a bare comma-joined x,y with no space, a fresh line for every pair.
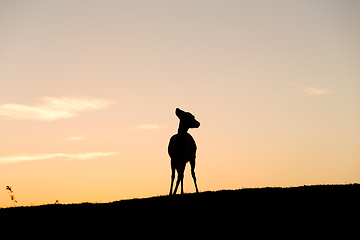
180,178
192,163
177,185
182,185
172,179
194,178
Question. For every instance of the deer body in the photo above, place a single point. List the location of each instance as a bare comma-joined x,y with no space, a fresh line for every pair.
182,149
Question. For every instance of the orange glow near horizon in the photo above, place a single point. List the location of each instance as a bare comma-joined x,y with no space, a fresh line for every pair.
88,92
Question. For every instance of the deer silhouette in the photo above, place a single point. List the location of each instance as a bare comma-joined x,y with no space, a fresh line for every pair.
182,149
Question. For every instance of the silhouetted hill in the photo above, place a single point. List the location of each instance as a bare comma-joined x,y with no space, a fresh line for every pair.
313,212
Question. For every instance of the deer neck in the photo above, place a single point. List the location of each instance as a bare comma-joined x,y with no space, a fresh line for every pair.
182,129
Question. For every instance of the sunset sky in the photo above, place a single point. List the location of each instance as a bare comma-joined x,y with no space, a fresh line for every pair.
88,92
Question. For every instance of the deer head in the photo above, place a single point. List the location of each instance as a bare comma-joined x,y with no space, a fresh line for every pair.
187,120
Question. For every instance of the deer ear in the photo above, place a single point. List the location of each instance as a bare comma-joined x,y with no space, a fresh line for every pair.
178,112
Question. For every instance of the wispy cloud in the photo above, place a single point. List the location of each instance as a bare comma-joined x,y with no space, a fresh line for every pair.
44,156
310,90
76,138
316,91
148,126
52,108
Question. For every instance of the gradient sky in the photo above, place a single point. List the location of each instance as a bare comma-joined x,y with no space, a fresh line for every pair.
88,91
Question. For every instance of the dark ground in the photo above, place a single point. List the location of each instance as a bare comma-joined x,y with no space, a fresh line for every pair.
311,212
